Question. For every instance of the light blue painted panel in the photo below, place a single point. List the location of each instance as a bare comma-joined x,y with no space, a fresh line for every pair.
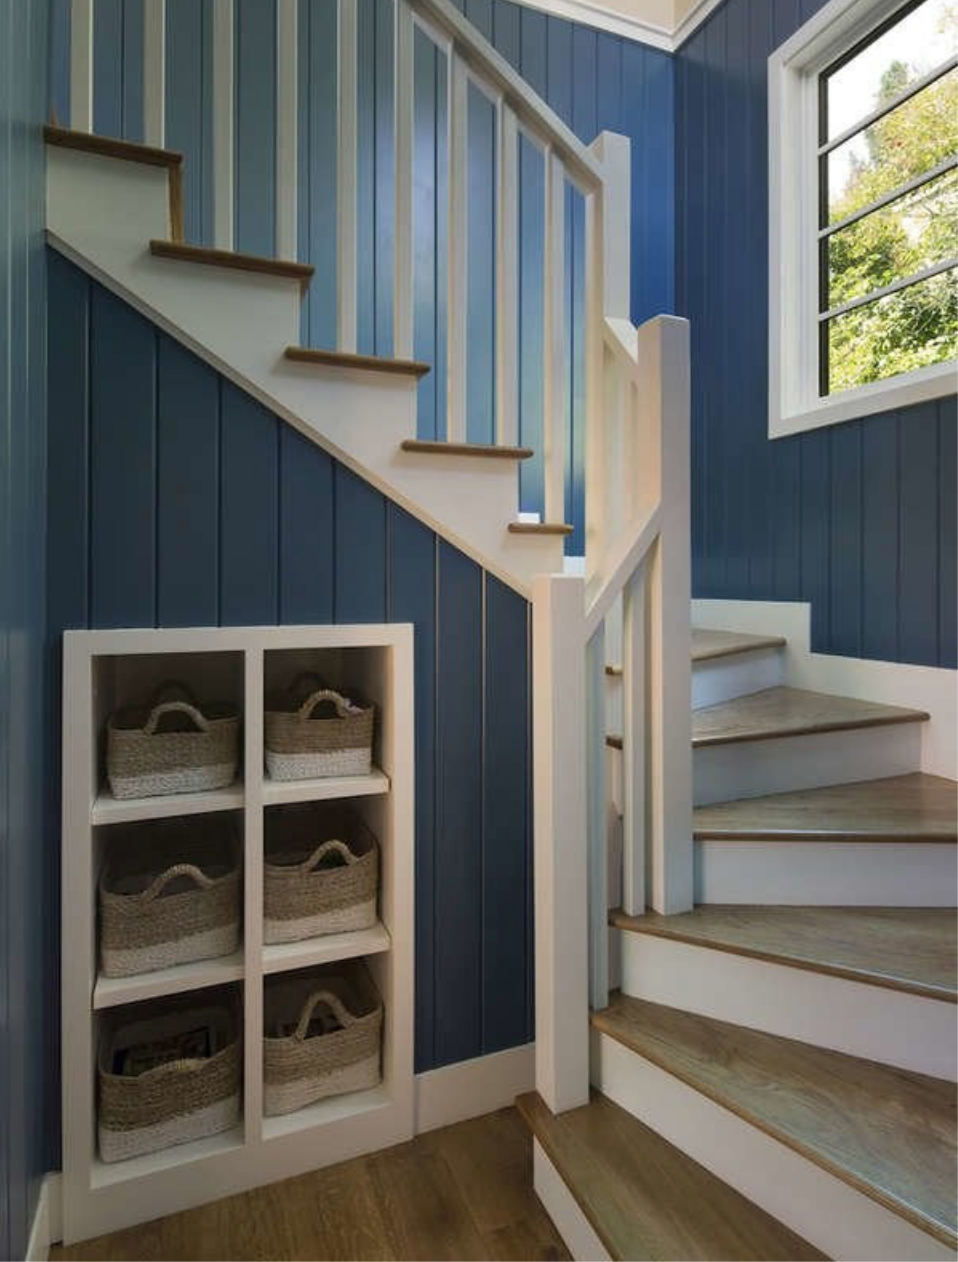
118,68
430,210
318,79
255,126
189,109
481,195
531,306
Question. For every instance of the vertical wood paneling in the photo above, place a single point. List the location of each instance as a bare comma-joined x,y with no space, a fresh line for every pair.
481,195
249,520
360,550
505,785
532,210
255,126
412,598
118,68
187,505
305,530
189,109
317,167
458,855
366,178
858,518
430,206
385,183
122,465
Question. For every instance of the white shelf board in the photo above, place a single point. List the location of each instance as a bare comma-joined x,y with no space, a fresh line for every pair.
323,1112
280,957
111,991
275,791
110,810
106,1174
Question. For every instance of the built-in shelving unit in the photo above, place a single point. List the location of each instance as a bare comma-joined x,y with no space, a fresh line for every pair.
104,670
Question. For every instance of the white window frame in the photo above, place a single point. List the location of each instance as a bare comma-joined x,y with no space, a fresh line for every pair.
795,403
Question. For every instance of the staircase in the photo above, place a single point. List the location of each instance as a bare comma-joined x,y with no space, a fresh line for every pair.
775,1075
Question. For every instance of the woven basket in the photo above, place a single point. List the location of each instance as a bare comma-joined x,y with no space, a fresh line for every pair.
321,874
176,1102
173,746
302,743
169,894
325,1034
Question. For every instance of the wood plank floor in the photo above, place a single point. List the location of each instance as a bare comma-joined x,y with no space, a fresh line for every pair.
644,1197
887,1132
776,712
915,807
912,949
464,1192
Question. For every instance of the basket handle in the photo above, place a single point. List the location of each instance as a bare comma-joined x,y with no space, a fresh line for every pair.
328,847
179,869
305,711
341,1012
170,707
167,689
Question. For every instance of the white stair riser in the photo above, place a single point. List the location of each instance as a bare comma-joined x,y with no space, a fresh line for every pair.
747,769
827,873
820,1207
910,1031
562,1207
102,213
724,678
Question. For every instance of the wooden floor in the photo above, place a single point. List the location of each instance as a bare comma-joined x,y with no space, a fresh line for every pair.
886,1132
776,712
915,807
913,949
645,1198
708,645
464,1192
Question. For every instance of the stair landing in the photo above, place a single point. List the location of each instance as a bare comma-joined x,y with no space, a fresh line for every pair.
644,1197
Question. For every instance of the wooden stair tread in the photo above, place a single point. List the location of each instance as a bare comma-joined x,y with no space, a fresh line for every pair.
644,1197
540,528
346,359
909,949
180,252
488,450
779,712
110,147
914,807
708,645
885,1131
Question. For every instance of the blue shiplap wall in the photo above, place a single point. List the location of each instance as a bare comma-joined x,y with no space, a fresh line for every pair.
176,500
594,81
859,518
26,898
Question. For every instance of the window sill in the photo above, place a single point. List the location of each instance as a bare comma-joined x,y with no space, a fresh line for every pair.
934,382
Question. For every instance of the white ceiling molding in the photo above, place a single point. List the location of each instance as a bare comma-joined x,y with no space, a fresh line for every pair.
663,24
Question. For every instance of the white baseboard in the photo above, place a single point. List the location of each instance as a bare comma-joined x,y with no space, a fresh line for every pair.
455,1093
47,1226
909,1031
821,1207
562,1207
928,688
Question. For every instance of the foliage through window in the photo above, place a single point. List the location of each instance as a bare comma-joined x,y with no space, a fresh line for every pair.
888,200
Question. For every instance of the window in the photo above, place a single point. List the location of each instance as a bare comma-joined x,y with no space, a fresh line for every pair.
864,212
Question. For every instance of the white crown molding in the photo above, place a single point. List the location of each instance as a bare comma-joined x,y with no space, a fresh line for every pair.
638,29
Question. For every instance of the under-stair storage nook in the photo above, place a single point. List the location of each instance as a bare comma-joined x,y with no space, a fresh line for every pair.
138,871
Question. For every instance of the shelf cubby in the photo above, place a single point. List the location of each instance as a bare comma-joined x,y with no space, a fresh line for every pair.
104,670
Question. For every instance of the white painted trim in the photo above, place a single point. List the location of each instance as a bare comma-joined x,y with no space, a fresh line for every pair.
577,1232
81,65
47,1228
823,1209
724,678
794,402
287,122
223,105
930,688
555,376
455,1093
347,174
910,1031
636,27
154,73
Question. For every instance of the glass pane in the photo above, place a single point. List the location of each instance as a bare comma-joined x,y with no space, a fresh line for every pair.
923,39
909,329
910,140
913,233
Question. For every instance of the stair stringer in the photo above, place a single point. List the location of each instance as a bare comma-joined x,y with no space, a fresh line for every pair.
102,214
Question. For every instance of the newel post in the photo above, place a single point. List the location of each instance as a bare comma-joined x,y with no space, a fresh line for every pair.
561,859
